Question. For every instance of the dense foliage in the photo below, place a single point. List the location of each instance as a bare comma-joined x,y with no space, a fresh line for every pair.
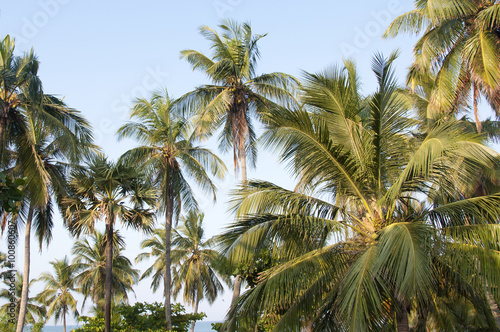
393,224
143,317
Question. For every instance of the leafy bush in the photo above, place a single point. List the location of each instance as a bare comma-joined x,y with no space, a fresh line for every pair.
141,317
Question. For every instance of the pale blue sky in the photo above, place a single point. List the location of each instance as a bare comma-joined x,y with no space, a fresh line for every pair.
100,55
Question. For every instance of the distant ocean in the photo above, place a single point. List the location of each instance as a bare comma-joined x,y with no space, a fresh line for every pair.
199,327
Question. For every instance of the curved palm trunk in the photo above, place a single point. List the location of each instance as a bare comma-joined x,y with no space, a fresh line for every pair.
26,273
109,275
195,311
168,274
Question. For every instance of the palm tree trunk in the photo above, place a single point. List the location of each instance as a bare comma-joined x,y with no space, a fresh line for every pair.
403,324
195,311
109,275
26,273
476,115
168,275
64,320
238,279
3,126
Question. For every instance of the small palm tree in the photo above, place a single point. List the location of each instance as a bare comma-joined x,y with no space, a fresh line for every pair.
35,311
156,244
170,154
195,261
111,192
57,293
89,265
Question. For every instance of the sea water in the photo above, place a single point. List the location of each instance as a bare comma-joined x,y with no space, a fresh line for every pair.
199,327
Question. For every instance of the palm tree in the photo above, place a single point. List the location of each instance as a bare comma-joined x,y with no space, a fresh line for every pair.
236,93
89,266
194,262
157,245
43,157
169,154
57,293
460,44
21,95
391,204
102,191
35,311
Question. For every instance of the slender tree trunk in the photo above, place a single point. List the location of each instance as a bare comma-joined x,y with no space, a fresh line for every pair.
109,275
476,110
64,320
238,279
168,274
403,324
26,273
195,311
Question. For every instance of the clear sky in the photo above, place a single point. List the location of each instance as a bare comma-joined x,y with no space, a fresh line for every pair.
100,55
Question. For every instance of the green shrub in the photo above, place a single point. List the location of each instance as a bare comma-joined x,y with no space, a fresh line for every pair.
141,317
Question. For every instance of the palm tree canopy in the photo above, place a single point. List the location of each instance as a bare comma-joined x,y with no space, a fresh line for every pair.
378,215
35,311
237,93
107,191
459,43
156,244
21,95
58,287
194,262
169,152
89,265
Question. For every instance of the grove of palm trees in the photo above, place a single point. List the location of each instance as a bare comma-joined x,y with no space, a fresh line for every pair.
388,220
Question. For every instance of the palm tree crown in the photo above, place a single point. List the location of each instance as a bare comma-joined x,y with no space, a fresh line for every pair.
237,92
460,45
89,265
57,293
362,177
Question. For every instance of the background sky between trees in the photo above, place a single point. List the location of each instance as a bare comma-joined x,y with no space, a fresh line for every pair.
101,55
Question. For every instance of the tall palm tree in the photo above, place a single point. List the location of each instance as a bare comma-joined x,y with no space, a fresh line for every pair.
89,266
43,156
460,44
236,94
390,202
35,311
57,293
169,154
195,261
110,192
